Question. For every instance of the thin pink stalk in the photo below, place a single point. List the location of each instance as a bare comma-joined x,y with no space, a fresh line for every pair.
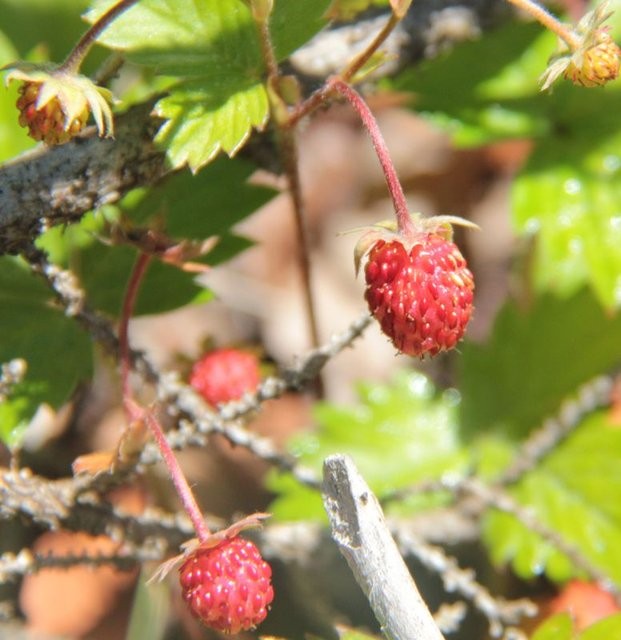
544,17
188,501
136,413
404,221
74,60
129,302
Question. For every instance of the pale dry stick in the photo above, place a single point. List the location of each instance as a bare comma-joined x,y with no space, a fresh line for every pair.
499,612
361,533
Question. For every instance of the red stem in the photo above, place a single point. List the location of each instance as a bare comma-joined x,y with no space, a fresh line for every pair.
136,413
404,220
78,53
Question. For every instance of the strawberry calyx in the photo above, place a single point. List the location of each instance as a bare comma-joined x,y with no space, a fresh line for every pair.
213,540
421,227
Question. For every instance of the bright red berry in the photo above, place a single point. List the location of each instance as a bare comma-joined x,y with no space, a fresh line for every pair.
421,296
228,586
224,375
48,121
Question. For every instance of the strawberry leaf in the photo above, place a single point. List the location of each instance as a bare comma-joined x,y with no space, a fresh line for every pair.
486,89
214,46
575,492
400,434
349,9
498,395
57,351
558,627
567,196
14,138
202,205
606,629
204,119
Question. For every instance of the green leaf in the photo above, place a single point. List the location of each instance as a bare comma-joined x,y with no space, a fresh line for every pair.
106,270
215,46
150,609
559,627
203,119
57,351
349,9
567,195
202,205
575,492
14,138
353,634
534,359
606,629
398,435
47,25
486,89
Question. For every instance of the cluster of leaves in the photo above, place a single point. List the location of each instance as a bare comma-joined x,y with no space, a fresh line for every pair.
207,56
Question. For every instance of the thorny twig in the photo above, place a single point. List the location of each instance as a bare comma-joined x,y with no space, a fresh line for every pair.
499,612
195,418
590,396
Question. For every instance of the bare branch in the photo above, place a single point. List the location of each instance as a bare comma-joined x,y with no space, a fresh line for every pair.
49,186
499,612
359,529
595,393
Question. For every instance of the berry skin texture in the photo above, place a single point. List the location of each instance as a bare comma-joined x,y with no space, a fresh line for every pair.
48,122
422,298
225,375
227,587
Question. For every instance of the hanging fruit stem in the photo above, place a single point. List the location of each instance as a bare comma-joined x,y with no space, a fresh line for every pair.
75,58
404,220
549,22
137,415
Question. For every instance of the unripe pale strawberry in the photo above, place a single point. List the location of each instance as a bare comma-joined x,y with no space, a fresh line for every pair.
225,375
47,122
227,586
421,292
597,65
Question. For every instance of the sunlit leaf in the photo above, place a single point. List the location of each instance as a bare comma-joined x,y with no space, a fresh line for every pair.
536,357
56,349
398,435
575,492
214,45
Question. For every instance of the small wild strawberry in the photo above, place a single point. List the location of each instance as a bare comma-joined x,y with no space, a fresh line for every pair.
46,123
225,375
586,602
55,104
593,60
597,64
228,586
419,289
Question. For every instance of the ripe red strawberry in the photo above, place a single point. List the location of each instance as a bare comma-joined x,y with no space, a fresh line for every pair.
586,602
47,122
227,586
420,291
224,375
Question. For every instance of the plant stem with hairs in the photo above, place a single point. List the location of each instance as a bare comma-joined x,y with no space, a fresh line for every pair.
404,220
75,58
544,17
138,415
